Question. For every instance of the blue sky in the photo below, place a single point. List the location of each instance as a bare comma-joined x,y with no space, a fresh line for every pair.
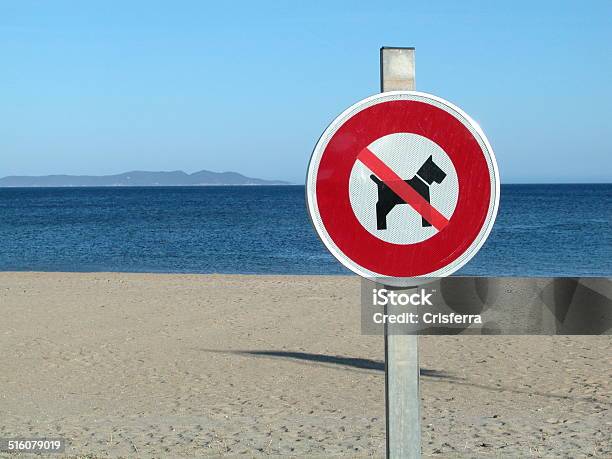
106,87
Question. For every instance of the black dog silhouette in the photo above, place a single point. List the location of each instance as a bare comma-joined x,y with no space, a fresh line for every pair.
387,199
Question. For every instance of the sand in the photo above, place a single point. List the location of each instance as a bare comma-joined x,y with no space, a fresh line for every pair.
141,365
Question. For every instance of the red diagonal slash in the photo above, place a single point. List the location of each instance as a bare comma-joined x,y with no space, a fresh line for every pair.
402,189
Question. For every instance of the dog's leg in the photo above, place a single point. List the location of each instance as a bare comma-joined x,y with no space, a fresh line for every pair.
382,209
425,194
381,216
381,206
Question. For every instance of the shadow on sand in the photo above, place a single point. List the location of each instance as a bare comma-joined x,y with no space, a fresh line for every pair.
356,364
351,362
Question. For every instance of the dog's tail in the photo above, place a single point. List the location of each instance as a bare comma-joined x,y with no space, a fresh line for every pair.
376,179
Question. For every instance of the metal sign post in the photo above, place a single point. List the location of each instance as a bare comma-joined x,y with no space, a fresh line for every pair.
402,397
387,176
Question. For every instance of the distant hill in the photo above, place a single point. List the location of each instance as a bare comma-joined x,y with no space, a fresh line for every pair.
138,178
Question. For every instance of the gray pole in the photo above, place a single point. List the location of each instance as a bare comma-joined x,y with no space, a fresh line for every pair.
401,351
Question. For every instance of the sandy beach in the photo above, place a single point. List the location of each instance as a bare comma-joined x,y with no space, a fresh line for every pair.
141,365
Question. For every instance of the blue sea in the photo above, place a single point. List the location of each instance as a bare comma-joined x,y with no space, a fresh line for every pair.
541,230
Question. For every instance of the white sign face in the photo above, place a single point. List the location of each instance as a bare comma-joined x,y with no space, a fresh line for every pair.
402,187
405,154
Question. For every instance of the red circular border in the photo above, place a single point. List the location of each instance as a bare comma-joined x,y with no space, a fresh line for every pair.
332,188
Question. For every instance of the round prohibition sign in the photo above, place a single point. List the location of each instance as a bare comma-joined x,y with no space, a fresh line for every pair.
403,186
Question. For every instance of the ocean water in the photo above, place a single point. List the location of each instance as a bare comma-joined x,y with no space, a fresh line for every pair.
541,230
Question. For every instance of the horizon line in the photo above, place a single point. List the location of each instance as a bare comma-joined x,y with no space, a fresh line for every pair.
287,184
